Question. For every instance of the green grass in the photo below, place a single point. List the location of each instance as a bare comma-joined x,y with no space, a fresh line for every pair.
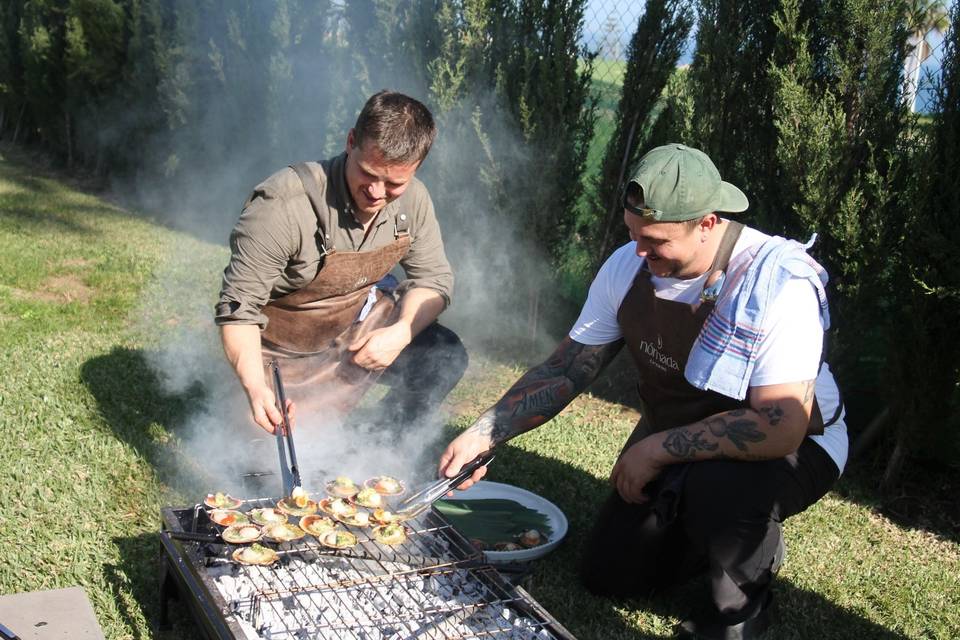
92,449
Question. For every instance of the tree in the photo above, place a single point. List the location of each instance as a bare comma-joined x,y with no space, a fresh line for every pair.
926,372
654,49
733,100
842,147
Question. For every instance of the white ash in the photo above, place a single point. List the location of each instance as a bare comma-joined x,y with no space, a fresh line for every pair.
291,601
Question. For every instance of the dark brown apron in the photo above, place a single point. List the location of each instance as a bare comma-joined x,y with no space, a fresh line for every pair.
310,329
659,335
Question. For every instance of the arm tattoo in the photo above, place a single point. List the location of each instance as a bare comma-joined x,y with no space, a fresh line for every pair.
683,443
542,392
773,414
736,427
809,387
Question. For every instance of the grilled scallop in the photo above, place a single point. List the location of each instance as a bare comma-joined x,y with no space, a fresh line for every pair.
255,554
338,507
282,532
241,533
316,525
391,534
382,516
287,506
221,501
358,519
268,515
368,497
227,517
385,485
342,487
338,539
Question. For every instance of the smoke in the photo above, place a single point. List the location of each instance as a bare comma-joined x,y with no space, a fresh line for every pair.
201,176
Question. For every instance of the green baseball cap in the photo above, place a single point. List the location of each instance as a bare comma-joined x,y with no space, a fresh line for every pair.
681,183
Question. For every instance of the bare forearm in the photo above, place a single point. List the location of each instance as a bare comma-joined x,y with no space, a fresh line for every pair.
543,392
419,307
241,344
770,428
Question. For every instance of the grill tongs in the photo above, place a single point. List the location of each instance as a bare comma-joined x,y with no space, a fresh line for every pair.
290,474
420,501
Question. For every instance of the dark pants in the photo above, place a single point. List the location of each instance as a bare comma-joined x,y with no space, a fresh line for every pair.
724,519
423,374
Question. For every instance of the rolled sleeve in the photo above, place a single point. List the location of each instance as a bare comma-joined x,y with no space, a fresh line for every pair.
260,246
425,263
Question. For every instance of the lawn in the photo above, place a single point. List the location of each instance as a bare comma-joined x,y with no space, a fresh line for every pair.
94,444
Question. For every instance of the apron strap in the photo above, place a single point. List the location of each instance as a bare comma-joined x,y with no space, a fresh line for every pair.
720,262
401,225
312,189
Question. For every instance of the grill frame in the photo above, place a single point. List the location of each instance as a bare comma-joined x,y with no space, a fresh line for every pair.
184,573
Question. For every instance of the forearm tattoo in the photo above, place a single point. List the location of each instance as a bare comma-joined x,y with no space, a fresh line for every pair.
773,414
684,443
542,392
736,426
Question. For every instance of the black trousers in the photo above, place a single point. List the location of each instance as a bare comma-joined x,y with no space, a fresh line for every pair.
423,374
719,516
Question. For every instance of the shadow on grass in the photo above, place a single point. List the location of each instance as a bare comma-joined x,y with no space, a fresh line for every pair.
554,581
141,413
139,574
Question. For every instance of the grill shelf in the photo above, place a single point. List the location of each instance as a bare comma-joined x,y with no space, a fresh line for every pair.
434,585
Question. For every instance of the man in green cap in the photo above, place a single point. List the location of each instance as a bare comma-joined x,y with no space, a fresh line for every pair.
741,422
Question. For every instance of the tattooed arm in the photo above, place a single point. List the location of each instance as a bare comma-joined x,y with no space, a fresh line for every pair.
773,426
540,394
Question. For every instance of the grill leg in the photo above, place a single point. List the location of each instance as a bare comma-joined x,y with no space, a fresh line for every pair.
168,591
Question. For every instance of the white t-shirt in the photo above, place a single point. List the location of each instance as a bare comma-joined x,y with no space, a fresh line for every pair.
789,352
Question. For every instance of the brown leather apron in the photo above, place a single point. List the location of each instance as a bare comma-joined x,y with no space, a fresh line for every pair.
310,329
659,335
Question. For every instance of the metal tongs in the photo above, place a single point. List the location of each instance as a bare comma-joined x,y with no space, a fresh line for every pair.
290,474
420,501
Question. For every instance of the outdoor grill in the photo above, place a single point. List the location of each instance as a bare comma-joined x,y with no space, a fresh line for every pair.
434,585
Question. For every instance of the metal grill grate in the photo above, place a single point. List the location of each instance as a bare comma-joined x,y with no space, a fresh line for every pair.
431,586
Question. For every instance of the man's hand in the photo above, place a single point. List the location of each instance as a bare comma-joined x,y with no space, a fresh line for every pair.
263,406
464,448
378,349
635,469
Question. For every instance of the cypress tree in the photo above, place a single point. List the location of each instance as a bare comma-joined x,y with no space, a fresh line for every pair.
925,372
733,100
652,56
843,149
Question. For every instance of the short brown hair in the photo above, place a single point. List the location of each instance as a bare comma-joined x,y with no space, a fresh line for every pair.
401,127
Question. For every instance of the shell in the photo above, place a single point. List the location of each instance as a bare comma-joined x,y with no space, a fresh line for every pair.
391,534
337,507
385,485
227,517
267,515
255,554
316,525
241,533
287,506
282,532
338,539
221,501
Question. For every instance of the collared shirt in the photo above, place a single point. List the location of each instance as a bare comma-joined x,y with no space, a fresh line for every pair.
275,246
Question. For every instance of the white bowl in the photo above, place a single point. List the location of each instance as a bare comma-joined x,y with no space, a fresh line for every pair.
558,522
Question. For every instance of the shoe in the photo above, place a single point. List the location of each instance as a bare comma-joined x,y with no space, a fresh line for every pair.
749,629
